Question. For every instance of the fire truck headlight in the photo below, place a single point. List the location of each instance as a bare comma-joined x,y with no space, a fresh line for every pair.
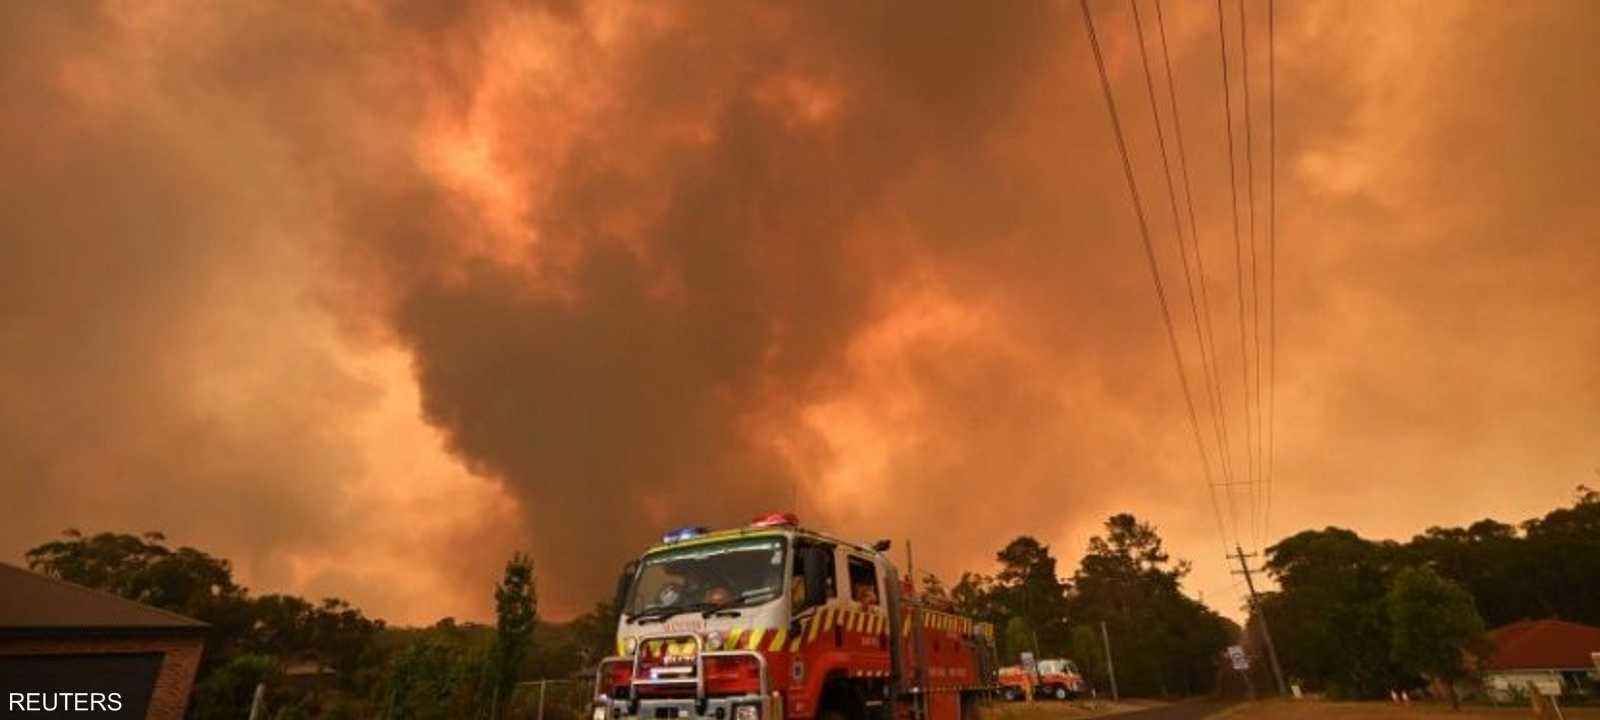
628,646
744,712
714,640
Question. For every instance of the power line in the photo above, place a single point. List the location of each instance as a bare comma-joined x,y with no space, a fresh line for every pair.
1210,336
1206,362
1255,278
1150,257
1272,253
1238,244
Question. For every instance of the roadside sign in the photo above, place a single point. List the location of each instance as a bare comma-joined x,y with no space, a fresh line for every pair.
1241,661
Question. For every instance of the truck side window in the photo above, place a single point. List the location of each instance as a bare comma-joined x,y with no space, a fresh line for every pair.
797,582
863,582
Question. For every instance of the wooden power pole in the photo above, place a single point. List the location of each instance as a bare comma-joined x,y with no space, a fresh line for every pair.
1255,605
1111,667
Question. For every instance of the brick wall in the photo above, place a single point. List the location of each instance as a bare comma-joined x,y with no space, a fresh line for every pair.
180,659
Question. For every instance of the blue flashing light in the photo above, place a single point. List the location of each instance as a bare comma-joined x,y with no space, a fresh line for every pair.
683,534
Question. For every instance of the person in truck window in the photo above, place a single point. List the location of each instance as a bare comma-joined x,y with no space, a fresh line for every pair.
797,594
719,595
867,595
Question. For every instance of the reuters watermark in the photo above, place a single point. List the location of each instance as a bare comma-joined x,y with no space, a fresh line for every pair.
63,702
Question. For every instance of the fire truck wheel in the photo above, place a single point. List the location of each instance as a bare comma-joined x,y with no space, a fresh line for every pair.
1013,694
1060,693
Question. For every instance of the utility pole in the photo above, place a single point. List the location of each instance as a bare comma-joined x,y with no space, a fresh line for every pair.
1111,668
1255,604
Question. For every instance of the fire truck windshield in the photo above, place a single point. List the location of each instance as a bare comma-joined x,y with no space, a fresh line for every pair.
710,576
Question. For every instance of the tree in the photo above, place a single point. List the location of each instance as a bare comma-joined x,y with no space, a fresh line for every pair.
595,633
228,692
515,604
144,569
973,596
1027,587
1435,625
933,587
1490,560
1166,642
1328,619
1563,548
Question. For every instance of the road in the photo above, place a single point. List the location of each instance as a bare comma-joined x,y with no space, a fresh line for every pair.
1192,710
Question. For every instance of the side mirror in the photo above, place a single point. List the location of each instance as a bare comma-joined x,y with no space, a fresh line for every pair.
814,566
881,546
624,584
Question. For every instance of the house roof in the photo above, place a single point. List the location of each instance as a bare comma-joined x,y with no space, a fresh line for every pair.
30,601
1542,645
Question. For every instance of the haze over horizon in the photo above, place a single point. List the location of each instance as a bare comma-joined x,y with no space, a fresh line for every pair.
365,296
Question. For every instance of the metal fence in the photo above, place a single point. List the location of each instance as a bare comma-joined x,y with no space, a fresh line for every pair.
561,699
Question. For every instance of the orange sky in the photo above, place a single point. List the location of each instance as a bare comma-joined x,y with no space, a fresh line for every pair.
366,296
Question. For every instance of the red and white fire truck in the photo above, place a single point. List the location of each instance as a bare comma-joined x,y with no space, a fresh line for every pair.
776,622
1052,678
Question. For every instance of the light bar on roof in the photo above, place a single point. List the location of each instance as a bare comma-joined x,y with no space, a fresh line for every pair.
682,534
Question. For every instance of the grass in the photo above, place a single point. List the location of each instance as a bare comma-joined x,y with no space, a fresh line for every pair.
1318,710
1053,710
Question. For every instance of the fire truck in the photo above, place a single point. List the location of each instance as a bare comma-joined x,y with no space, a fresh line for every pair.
1054,678
776,622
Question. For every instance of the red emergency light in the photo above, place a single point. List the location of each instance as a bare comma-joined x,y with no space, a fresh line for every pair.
775,519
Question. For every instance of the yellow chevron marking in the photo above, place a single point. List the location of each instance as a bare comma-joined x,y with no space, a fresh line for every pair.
794,645
732,642
778,637
755,638
812,624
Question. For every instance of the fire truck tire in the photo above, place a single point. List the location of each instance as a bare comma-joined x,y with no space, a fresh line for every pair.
969,706
842,700
1060,693
1012,694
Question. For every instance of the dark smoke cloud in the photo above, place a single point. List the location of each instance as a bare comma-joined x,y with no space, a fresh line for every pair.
665,265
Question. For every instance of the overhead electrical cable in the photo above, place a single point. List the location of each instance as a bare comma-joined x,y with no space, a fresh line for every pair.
1210,336
1238,246
1272,255
1255,278
1150,257
1207,361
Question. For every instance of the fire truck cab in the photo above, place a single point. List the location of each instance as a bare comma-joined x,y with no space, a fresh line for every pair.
772,621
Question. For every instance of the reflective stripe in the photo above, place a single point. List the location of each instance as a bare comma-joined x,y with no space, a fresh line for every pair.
755,638
778,636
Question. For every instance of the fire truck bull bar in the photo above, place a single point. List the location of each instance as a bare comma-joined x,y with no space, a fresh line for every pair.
762,705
